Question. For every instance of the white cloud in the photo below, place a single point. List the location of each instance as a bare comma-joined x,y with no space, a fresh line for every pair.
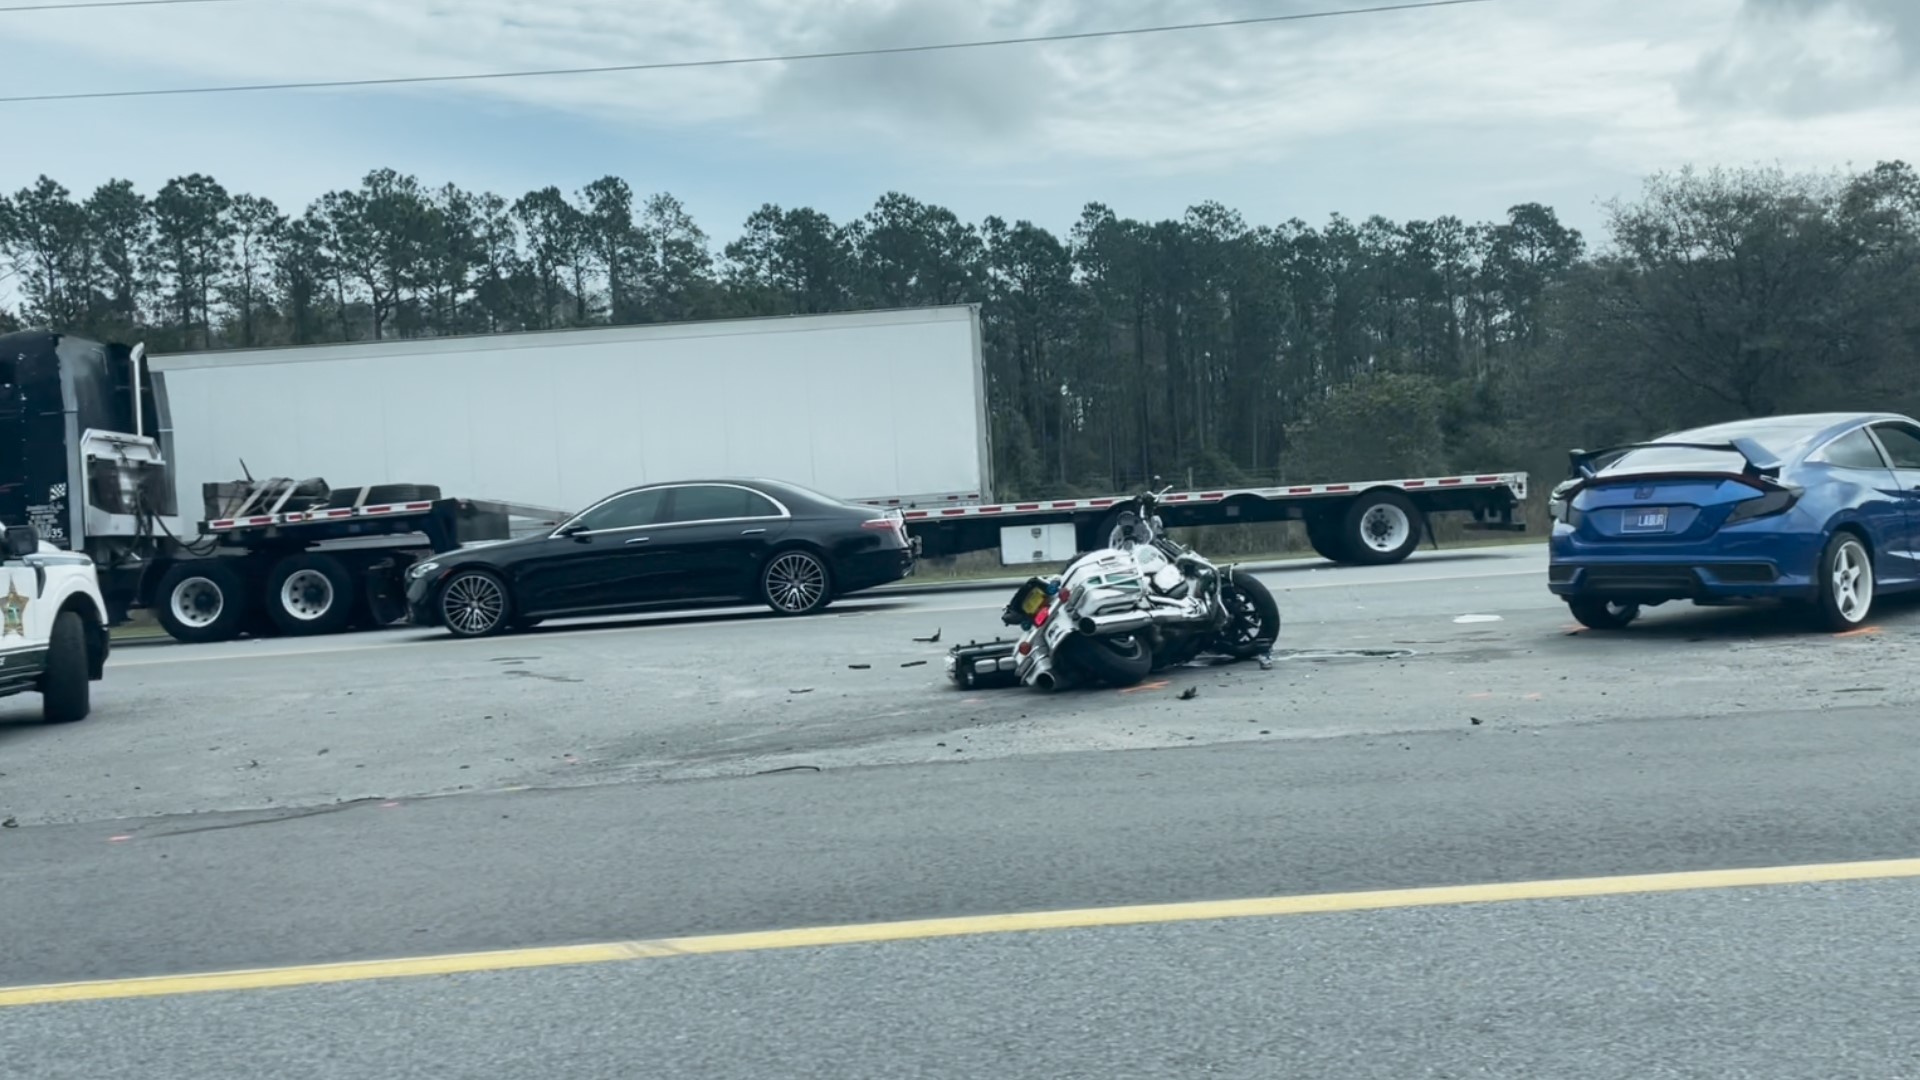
1509,91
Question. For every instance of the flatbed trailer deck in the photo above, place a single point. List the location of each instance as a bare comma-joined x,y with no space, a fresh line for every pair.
1365,523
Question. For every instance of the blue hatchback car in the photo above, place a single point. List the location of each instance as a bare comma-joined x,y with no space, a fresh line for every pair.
1821,509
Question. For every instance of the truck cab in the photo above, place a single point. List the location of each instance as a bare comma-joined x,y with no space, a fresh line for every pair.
76,464
53,633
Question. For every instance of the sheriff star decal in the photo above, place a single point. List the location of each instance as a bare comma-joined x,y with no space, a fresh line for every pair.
13,612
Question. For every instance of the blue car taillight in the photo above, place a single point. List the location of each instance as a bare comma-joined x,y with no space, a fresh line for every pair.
1774,500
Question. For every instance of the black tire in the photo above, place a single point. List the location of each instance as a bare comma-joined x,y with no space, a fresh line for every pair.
210,593
1598,613
1121,660
1832,609
1381,527
66,690
474,604
308,593
1324,534
1256,624
796,581
382,599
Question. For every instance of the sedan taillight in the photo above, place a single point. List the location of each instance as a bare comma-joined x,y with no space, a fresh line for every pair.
887,524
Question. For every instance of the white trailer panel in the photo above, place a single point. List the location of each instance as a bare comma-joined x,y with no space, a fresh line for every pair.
883,405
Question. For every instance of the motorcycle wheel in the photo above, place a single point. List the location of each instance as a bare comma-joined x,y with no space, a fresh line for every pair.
1254,618
1122,660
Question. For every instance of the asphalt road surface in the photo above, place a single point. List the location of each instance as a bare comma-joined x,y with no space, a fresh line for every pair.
288,803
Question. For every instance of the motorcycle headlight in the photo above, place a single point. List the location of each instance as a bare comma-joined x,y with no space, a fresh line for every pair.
421,570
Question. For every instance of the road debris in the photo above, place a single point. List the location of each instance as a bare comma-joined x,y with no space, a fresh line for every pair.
1189,693
859,667
913,663
934,640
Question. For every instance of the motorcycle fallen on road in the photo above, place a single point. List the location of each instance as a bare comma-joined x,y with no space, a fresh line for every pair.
1113,616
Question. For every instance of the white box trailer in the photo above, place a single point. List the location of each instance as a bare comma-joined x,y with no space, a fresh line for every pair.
886,407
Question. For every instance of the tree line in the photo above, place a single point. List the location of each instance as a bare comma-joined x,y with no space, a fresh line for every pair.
1204,349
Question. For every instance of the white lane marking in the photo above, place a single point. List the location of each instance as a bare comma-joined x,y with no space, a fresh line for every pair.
1477,618
191,654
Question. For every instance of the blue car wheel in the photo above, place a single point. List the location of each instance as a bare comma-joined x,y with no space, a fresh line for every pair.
1846,582
1599,613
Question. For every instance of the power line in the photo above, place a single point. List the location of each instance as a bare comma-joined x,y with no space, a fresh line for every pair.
107,4
837,54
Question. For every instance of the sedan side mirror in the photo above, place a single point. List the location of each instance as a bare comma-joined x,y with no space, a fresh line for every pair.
576,530
22,541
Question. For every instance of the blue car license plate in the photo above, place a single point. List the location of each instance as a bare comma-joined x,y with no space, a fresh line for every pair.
1644,520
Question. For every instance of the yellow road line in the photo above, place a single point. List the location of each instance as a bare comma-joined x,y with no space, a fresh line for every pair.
964,926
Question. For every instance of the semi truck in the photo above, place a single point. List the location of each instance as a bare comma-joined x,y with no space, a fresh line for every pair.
287,489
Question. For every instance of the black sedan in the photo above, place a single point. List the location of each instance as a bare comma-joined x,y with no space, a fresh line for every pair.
683,544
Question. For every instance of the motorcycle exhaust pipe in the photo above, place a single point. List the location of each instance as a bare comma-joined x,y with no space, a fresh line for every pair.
1118,623
1051,680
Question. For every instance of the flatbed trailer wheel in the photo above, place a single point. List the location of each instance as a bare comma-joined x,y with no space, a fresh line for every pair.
1323,532
202,600
310,593
1381,527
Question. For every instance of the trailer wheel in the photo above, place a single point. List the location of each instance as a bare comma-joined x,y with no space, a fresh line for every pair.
309,593
383,600
1381,527
1323,532
201,600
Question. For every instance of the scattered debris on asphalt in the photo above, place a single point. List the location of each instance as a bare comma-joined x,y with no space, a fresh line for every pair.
913,663
10,823
1474,720
1189,693
859,667
802,690
934,640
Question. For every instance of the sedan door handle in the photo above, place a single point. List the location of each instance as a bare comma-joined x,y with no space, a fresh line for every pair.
751,532
639,540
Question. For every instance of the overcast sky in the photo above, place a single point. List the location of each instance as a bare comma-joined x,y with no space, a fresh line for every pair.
1462,110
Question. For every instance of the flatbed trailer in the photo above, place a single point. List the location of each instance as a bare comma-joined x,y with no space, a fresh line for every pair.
299,557
1361,523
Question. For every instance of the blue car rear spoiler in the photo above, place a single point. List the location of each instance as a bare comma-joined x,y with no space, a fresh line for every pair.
1759,462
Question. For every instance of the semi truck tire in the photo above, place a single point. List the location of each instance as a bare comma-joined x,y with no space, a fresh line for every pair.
382,597
310,593
65,690
1381,527
201,600
1323,532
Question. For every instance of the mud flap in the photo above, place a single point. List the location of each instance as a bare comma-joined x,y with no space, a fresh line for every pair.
982,665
